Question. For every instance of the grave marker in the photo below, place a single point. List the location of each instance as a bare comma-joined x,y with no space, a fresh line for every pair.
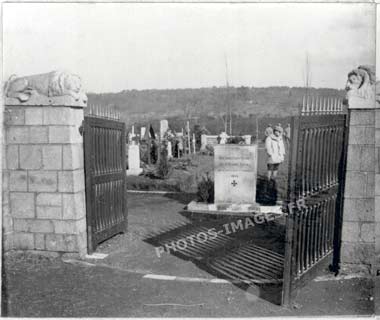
164,126
133,160
235,168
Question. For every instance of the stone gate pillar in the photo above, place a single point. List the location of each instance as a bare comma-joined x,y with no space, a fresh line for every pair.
43,171
377,178
358,232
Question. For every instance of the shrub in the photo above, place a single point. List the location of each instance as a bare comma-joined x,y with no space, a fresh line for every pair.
205,191
210,149
235,140
163,164
143,152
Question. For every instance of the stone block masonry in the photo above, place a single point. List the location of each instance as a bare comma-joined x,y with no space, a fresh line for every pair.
359,227
43,177
377,188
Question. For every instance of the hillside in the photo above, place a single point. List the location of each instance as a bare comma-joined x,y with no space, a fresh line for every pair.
206,105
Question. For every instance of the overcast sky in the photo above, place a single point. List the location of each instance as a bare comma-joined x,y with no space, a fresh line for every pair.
378,44
142,46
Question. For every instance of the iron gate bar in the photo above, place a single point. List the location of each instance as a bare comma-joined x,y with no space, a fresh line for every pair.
292,181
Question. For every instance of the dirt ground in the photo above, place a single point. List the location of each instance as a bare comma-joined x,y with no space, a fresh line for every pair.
118,286
52,288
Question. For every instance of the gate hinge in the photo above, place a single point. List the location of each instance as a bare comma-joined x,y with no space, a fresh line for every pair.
81,129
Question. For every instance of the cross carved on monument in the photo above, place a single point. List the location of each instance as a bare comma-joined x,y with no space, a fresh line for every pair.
234,183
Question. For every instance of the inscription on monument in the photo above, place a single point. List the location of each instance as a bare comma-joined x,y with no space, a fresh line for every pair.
235,169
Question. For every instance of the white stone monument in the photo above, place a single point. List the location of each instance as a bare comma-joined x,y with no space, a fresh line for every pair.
223,138
132,136
142,131
169,148
235,168
164,126
203,141
133,160
235,175
247,138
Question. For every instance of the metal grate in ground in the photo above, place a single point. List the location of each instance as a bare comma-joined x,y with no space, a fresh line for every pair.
250,264
235,256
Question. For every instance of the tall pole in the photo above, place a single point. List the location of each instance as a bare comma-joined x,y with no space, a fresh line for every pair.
188,136
194,143
229,114
307,74
230,122
257,129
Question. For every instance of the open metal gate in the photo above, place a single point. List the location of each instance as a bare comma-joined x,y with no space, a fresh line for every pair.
105,171
315,192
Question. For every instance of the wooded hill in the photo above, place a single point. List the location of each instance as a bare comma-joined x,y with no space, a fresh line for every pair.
206,104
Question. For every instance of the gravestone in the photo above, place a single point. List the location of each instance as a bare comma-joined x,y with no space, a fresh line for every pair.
235,169
133,160
132,136
142,132
169,148
223,138
203,141
164,126
211,140
247,138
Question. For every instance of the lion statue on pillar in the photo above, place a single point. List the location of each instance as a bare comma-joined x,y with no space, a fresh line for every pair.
52,84
361,84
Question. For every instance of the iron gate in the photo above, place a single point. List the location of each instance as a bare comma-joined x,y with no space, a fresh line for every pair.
315,192
104,153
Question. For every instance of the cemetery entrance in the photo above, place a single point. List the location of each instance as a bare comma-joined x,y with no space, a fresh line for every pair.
277,257
105,171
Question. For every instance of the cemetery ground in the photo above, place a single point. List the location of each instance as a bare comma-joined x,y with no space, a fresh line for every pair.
133,281
186,171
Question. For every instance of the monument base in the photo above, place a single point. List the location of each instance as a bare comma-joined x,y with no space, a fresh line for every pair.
134,172
243,209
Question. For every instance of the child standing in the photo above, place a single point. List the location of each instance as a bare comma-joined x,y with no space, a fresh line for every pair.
275,149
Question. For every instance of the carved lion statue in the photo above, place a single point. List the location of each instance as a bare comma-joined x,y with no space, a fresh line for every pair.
361,82
52,84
